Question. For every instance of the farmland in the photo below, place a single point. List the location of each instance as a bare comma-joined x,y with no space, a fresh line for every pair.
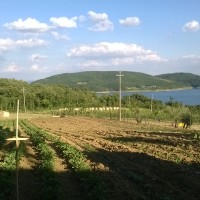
77,157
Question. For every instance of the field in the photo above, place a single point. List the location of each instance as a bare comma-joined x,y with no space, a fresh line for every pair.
88,158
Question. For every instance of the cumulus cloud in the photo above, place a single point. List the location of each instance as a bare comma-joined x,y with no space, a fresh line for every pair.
9,44
97,17
191,26
114,54
58,36
37,57
64,22
123,61
100,22
107,49
130,21
29,25
6,44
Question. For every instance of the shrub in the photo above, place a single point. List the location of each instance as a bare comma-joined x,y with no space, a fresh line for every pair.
186,119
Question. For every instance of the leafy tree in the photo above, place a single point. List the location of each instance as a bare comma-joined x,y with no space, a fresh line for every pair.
186,119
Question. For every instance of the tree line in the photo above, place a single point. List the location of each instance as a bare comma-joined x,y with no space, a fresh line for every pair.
38,97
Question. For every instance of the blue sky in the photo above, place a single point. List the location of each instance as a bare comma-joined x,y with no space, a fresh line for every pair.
41,38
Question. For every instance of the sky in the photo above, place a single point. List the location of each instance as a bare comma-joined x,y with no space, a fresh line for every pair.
42,38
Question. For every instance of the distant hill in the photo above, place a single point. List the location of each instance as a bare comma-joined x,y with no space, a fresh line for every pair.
186,78
108,81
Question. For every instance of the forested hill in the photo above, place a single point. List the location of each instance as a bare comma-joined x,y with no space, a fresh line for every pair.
188,78
108,81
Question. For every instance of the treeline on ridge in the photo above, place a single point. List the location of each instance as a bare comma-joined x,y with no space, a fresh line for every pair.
108,81
51,98
46,97
187,78
38,96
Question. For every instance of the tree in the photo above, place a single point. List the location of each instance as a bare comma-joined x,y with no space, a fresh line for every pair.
186,119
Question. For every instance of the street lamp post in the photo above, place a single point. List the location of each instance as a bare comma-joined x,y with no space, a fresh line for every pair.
120,94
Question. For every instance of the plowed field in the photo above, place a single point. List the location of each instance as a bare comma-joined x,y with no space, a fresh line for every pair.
133,161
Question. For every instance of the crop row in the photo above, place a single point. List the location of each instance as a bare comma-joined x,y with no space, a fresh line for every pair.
178,153
73,157
6,130
9,156
46,167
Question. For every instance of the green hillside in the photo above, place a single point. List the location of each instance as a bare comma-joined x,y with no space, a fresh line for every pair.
108,81
187,78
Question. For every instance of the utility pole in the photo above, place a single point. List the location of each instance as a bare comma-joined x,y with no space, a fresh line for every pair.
120,94
24,99
152,103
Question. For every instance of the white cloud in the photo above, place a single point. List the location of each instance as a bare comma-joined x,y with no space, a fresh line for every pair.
123,61
37,57
104,54
8,44
191,26
12,68
97,17
82,18
140,59
100,22
58,36
38,68
29,43
130,21
106,49
29,25
191,57
35,67
88,64
64,22
150,57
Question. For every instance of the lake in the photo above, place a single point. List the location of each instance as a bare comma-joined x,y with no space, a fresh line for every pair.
187,97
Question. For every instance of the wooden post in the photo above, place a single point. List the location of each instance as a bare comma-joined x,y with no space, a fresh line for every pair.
17,140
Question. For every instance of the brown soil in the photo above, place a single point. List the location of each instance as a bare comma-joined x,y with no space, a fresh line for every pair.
30,180
132,164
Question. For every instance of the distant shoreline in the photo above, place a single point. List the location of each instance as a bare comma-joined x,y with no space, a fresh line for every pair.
158,90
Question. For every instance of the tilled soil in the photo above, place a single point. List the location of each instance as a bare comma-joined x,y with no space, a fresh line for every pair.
132,164
30,179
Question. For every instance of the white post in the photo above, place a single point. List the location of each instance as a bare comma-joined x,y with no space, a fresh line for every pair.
120,94
17,140
17,121
152,103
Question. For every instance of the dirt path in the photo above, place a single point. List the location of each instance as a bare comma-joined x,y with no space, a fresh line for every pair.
29,179
69,186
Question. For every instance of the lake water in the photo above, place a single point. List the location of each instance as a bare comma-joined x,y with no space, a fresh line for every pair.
187,97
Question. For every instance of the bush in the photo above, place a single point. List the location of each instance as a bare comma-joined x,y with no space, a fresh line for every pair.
186,119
